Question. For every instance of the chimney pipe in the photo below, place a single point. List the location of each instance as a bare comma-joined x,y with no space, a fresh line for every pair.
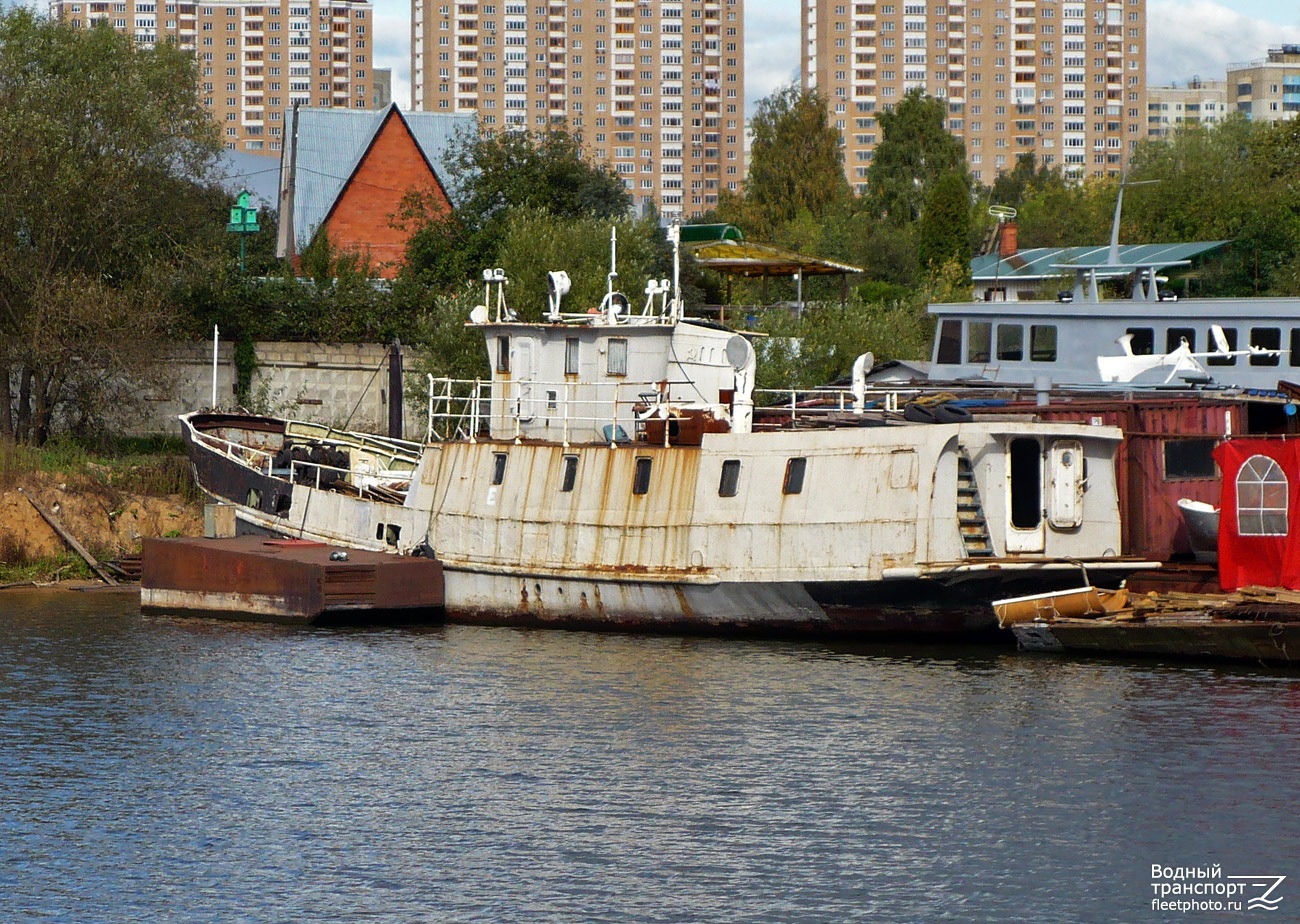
1007,240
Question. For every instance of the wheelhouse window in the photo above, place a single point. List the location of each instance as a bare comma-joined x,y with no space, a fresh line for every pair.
641,477
1261,498
1189,459
1011,343
729,483
1295,347
570,355
617,356
1042,343
979,339
568,473
949,339
1143,342
503,354
1230,338
1174,337
498,467
1265,338
794,471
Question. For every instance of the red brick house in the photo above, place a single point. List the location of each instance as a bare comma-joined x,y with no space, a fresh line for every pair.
346,171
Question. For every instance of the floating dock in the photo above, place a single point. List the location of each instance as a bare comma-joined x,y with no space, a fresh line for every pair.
287,581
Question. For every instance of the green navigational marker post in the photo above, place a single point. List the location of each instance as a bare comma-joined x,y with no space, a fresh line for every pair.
243,221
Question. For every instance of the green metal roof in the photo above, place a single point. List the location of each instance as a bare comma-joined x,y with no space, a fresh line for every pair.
1051,262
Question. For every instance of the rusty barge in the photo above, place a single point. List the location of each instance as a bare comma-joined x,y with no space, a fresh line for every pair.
619,470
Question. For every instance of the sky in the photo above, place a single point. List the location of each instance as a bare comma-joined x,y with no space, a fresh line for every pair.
1185,39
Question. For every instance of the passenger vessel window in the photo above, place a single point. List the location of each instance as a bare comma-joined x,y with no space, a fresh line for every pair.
1143,342
498,467
1266,338
1189,459
503,354
570,355
1176,335
729,484
1011,343
1042,343
1261,498
568,473
794,469
617,356
641,478
1295,346
1230,335
949,351
979,337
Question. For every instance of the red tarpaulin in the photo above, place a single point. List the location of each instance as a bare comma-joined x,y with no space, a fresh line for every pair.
1257,516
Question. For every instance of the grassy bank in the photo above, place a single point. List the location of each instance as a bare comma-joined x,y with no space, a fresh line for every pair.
108,497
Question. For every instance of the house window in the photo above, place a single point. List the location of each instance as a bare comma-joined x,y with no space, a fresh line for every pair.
641,478
568,473
503,354
1188,459
1261,498
978,338
1042,343
617,356
1265,338
1230,340
730,481
570,355
498,467
794,471
1011,342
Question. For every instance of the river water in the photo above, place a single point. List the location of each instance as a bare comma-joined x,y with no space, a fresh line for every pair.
158,769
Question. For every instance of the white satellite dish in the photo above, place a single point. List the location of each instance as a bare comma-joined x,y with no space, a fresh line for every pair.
479,315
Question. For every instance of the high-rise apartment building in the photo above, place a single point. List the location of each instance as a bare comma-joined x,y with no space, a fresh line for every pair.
255,59
1061,79
1201,102
656,87
1267,90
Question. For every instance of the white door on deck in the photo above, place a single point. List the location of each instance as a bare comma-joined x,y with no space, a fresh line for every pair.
524,370
1065,484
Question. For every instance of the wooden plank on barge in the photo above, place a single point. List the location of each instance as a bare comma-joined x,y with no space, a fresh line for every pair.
290,581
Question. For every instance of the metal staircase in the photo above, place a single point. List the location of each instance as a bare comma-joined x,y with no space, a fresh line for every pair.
971,523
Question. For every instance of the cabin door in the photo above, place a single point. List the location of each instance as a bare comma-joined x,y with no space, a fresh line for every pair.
1025,530
1065,480
525,371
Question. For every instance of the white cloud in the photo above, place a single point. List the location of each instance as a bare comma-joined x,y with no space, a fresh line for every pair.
1201,38
392,45
771,48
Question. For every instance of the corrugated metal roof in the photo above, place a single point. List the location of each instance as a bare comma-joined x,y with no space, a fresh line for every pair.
1048,262
331,143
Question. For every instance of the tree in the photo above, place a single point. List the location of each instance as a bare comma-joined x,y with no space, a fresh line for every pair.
101,140
915,150
943,234
795,163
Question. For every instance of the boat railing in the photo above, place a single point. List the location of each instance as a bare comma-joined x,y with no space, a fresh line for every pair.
828,401
258,459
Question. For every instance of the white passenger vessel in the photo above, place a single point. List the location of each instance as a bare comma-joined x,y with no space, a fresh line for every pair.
615,472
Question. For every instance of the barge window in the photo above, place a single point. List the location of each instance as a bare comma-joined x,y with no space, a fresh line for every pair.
570,355
979,335
729,484
617,356
949,351
1026,483
1230,335
794,469
1295,346
641,479
503,354
1174,337
1266,338
498,467
1189,459
1011,342
389,533
1261,498
1143,342
1042,343
568,473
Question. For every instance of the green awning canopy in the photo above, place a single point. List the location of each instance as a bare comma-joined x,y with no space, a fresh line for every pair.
700,234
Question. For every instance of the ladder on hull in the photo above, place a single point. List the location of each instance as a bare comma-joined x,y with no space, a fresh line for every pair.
972,525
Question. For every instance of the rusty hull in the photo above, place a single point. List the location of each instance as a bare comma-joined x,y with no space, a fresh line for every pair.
286,581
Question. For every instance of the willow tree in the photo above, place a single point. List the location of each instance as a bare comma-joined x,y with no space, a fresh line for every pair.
795,165
101,143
